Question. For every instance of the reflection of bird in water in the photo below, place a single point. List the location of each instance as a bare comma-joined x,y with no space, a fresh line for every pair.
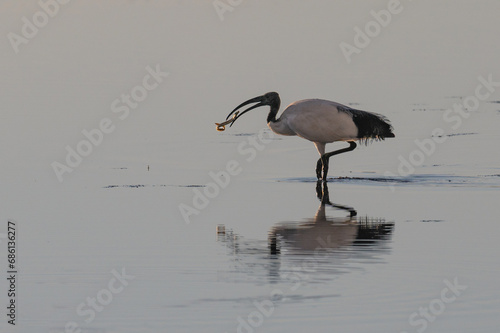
328,242
322,232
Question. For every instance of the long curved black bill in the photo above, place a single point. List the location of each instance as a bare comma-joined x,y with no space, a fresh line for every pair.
250,101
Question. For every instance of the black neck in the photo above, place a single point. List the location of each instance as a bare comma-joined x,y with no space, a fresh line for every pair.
271,117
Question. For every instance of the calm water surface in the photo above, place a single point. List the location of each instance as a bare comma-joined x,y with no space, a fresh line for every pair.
387,247
271,255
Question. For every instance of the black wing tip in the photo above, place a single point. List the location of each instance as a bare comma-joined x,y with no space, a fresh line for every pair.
371,126
368,140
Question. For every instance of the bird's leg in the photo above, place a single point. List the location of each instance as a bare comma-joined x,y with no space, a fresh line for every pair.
324,196
319,166
325,161
326,157
319,190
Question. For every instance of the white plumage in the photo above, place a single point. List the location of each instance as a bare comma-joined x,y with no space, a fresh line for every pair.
321,122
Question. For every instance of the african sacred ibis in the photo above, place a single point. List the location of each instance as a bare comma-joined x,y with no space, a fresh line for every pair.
321,122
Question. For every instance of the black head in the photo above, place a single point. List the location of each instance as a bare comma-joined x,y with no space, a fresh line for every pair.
271,98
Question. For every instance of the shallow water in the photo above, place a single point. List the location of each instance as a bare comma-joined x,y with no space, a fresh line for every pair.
170,226
267,253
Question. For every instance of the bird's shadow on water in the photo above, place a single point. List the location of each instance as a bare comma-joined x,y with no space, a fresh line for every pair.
321,247
431,179
328,233
360,179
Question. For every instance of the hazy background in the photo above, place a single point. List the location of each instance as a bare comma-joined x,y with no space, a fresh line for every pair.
66,77
72,234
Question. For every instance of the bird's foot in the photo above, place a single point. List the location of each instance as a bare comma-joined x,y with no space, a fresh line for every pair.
325,177
322,179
